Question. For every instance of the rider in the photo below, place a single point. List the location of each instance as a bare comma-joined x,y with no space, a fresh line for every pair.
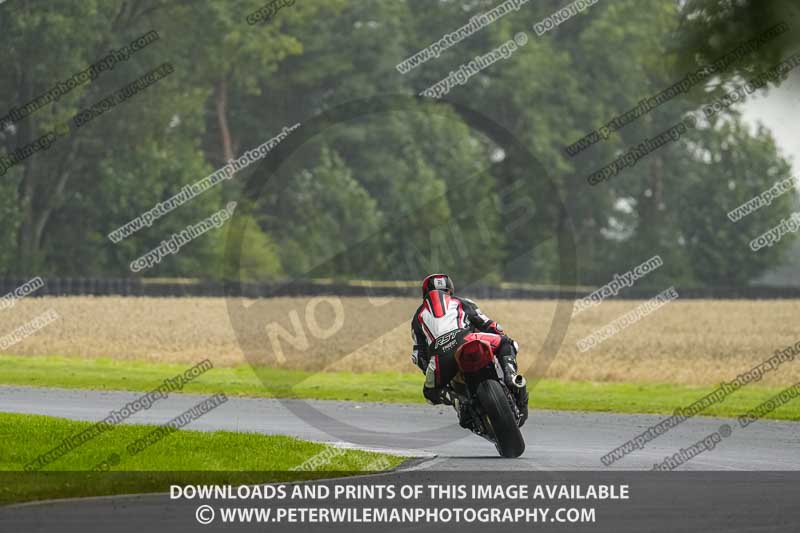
438,328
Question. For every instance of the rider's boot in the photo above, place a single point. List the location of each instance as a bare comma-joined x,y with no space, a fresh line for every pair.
434,396
464,417
513,380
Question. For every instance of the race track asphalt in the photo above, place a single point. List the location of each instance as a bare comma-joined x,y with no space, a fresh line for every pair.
556,440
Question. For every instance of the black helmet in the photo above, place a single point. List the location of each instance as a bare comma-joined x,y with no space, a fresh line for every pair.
440,282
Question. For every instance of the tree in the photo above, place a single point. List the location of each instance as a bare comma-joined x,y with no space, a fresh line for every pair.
728,167
324,222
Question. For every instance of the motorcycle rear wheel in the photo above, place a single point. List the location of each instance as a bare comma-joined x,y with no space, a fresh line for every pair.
509,440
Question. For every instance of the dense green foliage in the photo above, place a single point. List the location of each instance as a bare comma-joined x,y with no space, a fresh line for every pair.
362,196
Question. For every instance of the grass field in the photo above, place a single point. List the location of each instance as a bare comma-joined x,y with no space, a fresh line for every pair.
183,456
353,349
107,374
693,342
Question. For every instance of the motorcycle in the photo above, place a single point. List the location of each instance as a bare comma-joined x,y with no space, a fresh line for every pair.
490,408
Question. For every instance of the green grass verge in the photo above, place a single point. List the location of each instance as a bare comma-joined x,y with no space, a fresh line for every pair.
103,466
106,374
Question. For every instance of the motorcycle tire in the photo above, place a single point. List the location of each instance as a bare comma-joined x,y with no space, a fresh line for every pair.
508,438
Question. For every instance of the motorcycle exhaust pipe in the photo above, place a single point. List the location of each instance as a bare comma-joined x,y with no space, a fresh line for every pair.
519,381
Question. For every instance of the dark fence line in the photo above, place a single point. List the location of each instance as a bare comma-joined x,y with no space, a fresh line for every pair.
139,287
